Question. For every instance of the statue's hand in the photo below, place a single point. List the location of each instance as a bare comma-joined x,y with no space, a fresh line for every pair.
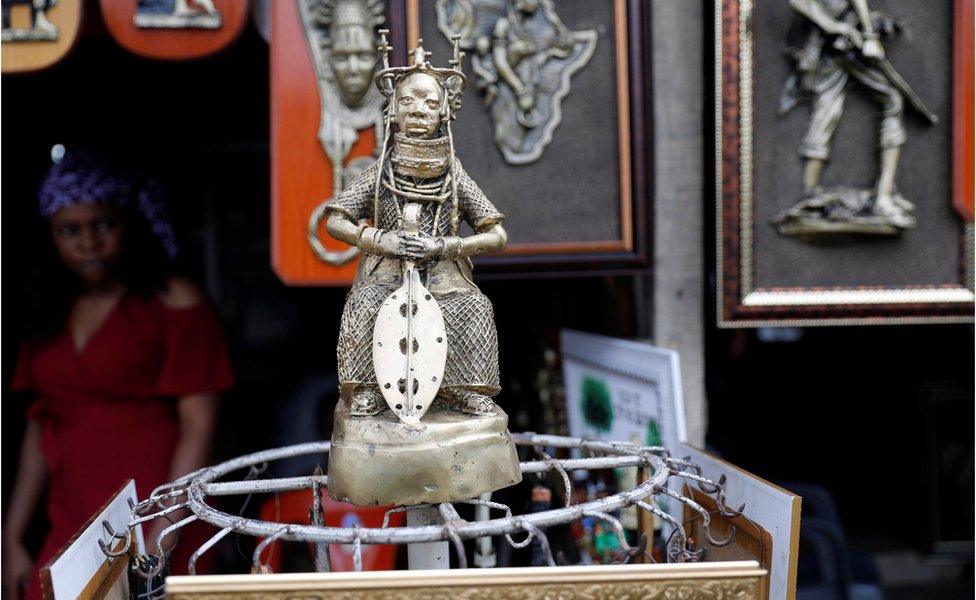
849,32
421,248
383,243
526,100
873,49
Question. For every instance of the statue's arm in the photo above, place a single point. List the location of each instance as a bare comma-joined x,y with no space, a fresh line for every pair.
344,229
348,212
816,12
499,51
493,239
864,15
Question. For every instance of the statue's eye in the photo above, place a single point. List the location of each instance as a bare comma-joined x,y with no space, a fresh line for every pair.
406,100
433,103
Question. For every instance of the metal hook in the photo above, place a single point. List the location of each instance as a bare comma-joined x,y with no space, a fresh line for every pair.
259,549
555,466
677,539
455,539
126,537
618,529
706,518
536,532
191,565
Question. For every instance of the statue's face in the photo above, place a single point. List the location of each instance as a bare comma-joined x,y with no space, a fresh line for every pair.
353,61
418,104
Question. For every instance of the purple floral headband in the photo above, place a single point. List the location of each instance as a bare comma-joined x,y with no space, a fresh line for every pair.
81,176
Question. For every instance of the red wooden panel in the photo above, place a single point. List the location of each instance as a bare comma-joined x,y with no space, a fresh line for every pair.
174,44
301,174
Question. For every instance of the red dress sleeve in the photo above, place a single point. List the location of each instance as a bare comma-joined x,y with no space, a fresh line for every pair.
23,379
196,360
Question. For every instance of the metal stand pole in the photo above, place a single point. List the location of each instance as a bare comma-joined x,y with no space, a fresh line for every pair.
484,556
427,555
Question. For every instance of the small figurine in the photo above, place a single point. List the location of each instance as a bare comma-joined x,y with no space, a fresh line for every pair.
843,47
177,14
417,336
41,29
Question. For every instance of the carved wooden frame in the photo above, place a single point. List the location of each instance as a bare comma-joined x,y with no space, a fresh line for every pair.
738,302
728,580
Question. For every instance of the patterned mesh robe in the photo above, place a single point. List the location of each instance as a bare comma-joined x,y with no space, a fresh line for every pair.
472,356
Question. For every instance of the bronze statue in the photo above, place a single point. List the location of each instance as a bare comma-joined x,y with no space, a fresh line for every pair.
524,57
418,337
342,42
842,45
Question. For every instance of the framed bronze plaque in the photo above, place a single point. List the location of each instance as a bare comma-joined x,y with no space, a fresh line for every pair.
843,187
557,107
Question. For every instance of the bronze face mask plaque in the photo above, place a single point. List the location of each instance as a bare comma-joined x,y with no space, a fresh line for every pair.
843,195
418,351
342,42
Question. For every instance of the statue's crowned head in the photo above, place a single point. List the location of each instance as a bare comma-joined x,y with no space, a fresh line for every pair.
423,98
352,43
418,103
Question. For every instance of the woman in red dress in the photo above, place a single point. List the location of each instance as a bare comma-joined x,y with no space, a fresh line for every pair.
125,360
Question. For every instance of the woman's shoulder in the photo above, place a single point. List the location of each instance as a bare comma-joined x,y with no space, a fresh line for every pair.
181,293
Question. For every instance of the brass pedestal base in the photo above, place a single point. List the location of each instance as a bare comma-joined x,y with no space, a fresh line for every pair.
450,456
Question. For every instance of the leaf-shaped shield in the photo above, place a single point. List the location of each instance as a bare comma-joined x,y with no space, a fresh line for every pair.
409,349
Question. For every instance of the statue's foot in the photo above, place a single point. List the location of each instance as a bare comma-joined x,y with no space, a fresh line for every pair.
473,403
893,209
42,24
367,403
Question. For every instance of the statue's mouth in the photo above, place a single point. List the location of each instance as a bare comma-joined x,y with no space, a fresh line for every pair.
418,126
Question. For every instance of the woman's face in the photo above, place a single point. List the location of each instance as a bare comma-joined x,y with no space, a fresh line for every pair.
88,238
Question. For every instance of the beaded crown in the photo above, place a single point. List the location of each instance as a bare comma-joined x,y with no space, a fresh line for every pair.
452,79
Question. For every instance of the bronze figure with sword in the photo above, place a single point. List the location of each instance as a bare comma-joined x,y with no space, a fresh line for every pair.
843,46
418,349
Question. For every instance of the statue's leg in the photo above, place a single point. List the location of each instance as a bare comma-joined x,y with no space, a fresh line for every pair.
471,372
39,18
891,134
825,115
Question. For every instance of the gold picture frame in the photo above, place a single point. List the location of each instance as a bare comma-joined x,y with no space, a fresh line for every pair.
741,580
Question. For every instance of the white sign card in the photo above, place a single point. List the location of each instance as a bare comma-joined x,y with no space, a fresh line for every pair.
619,390
771,507
80,563
622,390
